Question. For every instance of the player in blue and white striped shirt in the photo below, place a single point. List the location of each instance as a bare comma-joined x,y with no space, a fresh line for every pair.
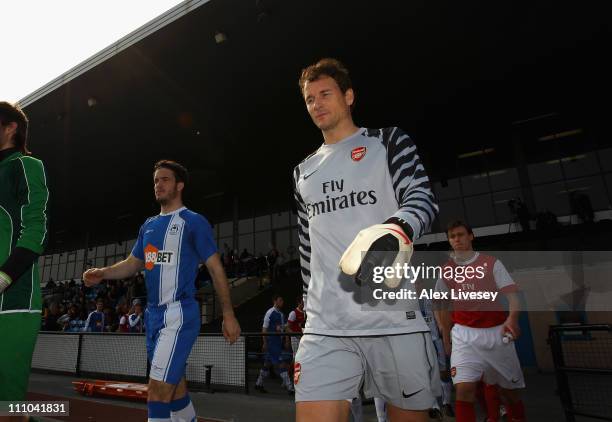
169,248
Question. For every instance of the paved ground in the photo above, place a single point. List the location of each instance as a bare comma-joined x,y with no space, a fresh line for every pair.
541,402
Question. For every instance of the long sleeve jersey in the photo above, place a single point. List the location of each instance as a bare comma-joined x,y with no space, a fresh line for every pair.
342,188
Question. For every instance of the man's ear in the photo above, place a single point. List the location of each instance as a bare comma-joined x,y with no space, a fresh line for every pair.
349,97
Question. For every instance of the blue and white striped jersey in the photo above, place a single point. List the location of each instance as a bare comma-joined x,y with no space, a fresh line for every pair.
172,246
341,189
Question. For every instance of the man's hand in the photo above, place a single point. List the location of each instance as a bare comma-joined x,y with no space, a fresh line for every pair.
93,276
511,326
5,281
379,246
231,328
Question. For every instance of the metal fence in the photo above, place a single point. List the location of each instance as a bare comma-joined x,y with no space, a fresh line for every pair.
582,356
213,365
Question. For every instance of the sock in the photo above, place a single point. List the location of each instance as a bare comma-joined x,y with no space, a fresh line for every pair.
447,389
491,394
464,411
159,411
285,378
263,374
516,412
181,410
381,409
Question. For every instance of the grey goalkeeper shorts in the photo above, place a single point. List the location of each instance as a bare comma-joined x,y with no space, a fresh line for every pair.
400,369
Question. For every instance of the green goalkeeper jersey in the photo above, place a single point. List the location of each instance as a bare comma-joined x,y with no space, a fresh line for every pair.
24,198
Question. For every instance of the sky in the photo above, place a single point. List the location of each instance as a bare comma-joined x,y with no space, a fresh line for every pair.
43,38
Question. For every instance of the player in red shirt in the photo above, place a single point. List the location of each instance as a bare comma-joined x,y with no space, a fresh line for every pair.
295,324
482,331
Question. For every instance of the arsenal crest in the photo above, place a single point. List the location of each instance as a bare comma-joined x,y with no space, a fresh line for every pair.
358,153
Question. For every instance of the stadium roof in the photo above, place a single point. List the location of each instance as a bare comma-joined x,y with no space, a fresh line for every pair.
454,75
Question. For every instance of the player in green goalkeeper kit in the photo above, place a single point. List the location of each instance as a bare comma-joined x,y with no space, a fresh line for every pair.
24,199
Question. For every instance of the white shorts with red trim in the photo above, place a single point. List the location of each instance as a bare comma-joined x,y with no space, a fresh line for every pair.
480,353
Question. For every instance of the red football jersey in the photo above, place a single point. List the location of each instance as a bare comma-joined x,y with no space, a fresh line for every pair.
296,324
481,274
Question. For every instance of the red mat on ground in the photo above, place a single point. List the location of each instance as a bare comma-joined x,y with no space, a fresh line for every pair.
118,389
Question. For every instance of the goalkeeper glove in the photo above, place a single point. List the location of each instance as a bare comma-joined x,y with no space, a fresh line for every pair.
380,245
5,281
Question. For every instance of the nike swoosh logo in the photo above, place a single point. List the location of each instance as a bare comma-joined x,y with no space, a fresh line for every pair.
514,381
306,176
406,396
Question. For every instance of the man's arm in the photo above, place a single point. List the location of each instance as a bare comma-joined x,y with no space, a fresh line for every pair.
512,322
123,269
442,315
417,206
291,318
33,194
506,285
217,273
303,234
86,327
231,328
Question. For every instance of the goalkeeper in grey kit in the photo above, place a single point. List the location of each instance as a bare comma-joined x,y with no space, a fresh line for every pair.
362,190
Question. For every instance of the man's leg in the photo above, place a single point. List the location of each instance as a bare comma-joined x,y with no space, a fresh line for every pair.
464,406
18,333
492,401
283,371
176,339
516,409
357,409
395,414
322,411
447,391
181,407
404,373
264,373
158,402
381,409
328,374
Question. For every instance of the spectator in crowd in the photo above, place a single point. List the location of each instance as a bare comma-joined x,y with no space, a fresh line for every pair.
245,255
112,297
65,318
76,323
50,321
295,323
136,319
110,322
123,314
95,320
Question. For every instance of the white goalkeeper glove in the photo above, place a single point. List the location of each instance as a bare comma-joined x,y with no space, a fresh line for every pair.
5,281
380,245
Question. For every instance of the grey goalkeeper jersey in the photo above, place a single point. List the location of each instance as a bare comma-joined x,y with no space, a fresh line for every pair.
341,189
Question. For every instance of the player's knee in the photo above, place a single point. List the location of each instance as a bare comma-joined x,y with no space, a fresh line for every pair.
160,391
466,391
511,396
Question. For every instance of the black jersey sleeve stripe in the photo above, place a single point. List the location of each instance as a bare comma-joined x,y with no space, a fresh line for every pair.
417,205
303,237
